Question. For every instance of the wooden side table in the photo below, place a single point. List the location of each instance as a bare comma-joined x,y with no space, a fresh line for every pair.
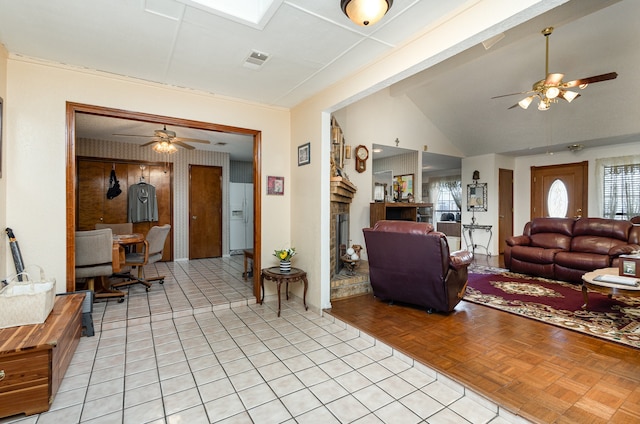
274,274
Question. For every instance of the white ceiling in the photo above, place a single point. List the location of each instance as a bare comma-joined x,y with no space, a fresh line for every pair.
311,45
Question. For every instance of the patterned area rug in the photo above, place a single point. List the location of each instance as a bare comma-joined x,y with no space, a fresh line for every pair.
557,303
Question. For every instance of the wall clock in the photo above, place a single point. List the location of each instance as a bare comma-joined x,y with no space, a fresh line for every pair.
362,154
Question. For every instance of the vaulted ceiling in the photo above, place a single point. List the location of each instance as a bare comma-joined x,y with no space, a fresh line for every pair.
310,45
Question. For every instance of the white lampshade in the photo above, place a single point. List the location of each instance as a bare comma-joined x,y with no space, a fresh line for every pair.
552,92
164,147
524,103
365,12
543,105
569,95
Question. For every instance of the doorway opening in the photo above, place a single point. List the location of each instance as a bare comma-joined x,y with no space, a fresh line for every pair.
73,108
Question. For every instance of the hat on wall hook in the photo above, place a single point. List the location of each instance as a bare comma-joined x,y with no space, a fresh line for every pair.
397,141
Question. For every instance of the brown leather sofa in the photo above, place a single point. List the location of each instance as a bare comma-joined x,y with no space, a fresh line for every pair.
566,248
411,263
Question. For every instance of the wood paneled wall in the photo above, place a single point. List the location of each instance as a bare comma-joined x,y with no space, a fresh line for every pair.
93,206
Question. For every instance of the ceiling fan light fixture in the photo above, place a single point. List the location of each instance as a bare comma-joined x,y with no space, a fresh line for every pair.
164,147
365,12
524,103
552,92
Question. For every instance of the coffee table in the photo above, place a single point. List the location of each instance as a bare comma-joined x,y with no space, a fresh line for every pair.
610,289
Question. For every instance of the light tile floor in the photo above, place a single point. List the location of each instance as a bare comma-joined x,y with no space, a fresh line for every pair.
198,349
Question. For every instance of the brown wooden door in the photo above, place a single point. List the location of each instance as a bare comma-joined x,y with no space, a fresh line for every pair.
505,206
205,211
91,195
572,175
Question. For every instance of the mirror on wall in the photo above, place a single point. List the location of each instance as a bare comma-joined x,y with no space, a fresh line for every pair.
382,186
390,163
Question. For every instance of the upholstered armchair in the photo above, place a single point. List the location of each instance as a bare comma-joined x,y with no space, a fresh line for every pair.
151,252
94,256
123,228
411,263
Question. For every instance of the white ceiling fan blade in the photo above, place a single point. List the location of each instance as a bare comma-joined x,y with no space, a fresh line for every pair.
133,135
181,144
190,140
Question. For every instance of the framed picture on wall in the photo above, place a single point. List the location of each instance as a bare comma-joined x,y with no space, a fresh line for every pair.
402,187
304,154
275,186
477,197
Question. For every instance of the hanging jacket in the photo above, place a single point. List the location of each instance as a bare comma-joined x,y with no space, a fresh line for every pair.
143,205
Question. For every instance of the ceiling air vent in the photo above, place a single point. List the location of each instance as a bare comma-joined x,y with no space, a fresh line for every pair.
255,60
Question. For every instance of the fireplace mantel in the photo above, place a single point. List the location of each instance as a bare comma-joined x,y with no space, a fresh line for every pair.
342,190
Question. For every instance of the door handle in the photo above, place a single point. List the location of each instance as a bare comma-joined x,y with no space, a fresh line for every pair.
194,217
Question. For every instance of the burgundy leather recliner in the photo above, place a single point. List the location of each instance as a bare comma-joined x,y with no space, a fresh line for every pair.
411,263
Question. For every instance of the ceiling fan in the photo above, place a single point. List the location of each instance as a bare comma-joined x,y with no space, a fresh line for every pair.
552,88
167,139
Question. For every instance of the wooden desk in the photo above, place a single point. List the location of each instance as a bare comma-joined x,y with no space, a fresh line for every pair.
274,274
34,358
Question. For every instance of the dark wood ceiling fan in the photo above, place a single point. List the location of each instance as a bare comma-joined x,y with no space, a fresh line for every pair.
552,88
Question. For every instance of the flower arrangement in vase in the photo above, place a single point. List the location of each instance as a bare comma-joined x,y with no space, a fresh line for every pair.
285,255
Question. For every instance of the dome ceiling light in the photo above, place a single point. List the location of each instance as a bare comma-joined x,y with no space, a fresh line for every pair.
365,12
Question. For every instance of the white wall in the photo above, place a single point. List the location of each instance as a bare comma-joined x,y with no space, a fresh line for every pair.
36,98
4,266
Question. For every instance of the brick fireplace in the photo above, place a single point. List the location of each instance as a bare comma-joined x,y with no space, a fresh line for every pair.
343,284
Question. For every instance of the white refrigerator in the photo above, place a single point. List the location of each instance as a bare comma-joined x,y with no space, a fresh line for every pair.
241,216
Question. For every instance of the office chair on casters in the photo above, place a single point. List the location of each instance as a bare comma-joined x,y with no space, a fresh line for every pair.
94,256
151,253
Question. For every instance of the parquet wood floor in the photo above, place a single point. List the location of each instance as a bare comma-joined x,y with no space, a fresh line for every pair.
540,372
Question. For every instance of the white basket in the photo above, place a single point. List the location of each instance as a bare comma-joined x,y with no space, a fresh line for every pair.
26,302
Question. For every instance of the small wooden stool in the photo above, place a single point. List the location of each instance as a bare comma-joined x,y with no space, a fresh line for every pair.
248,254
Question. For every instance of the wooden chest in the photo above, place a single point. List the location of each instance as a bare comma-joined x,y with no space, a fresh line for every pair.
34,358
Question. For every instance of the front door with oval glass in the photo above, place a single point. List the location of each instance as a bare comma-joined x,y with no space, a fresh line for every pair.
559,190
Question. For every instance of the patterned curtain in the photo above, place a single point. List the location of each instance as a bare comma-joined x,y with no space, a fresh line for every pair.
455,187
